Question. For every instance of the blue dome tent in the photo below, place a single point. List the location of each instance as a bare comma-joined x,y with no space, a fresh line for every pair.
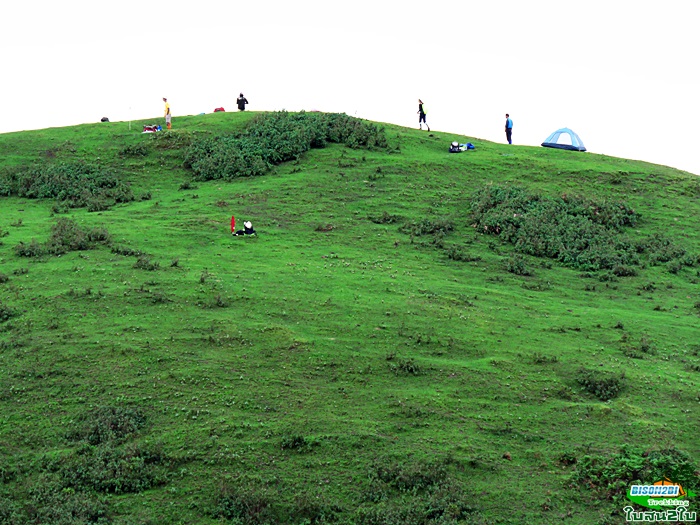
564,138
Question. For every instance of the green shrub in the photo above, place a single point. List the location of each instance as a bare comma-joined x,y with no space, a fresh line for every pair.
602,385
457,253
51,503
110,469
75,184
67,235
660,249
33,249
126,251
385,218
428,226
134,150
6,313
144,263
297,443
579,232
517,265
273,138
245,505
106,424
612,475
405,367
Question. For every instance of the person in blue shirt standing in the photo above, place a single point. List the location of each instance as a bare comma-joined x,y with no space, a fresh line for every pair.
509,129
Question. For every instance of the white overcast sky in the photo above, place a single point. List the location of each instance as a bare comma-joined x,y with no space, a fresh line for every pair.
623,74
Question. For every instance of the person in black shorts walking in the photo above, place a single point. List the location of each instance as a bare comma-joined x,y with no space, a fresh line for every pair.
421,115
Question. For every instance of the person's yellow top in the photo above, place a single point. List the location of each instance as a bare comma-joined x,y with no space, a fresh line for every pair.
167,108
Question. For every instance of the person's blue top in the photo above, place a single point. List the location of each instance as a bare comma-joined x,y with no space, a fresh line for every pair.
509,123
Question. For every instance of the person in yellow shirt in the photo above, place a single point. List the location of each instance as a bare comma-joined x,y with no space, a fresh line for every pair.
168,116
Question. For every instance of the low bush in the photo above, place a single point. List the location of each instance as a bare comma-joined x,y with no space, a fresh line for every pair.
74,184
51,503
517,265
612,475
457,253
245,505
105,424
144,263
602,385
127,251
107,468
134,150
274,138
297,443
6,313
428,226
579,232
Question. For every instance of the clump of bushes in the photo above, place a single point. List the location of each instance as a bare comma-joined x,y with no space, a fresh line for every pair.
602,385
579,232
51,503
415,493
66,236
428,226
6,313
75,184
110,469
517,265
134,150
106,424
274,138
612,475
245,505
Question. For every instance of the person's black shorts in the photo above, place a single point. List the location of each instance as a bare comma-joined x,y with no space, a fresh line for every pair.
421,117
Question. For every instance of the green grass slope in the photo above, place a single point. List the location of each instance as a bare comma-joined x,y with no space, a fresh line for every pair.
375,355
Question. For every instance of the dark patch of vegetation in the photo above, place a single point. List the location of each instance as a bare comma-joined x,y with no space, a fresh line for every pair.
603,385
297,443
245,505
516,264
274,138
106,424
169,140
385,218
6,313
612,475
405,367
428,226
127,251
576,231
66,236
110,469
413,494
134,150
74,184
144,263
51,503
457,253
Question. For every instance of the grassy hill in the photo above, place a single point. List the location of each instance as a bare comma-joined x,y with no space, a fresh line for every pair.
506,335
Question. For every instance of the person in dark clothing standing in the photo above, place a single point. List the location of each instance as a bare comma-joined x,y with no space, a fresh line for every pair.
509,129
241,101
421,115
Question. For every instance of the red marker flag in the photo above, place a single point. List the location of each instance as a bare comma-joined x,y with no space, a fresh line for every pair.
233,224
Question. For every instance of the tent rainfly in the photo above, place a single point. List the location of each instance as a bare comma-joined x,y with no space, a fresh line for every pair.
558,140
